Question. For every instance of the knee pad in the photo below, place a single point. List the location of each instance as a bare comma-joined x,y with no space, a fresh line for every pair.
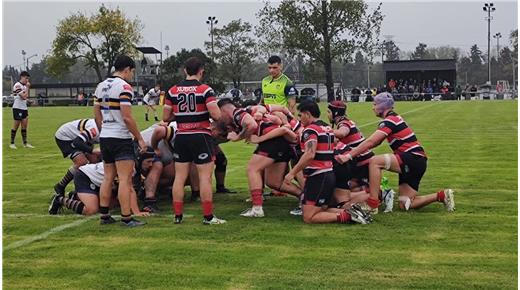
405,202
388,161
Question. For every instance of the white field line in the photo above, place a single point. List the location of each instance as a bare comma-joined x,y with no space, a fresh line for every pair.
405,113
58,229
44,235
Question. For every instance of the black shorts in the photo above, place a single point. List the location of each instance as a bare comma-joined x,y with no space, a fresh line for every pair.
413,168
342,173
115,149
198,148
295,152
277,148
359,172
319,188
19,114
83,184
67,149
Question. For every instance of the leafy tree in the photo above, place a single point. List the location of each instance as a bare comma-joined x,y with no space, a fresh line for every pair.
322,30
420,52
234,50
97,39
172,67
475,55
391,50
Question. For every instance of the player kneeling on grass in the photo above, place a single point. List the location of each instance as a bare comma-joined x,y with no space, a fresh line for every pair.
271,154
409,160
162,173
87,182
317,141
75,140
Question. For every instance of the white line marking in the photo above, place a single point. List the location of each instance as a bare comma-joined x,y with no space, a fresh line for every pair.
407,112
44,235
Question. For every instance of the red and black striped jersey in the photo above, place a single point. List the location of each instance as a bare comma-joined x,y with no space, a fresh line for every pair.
323,134
400,137
265,126
353,139
188,100
238,117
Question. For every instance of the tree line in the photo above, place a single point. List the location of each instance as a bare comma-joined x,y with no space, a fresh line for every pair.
320,42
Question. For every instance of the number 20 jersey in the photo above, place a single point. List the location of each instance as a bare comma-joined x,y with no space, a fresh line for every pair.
188,101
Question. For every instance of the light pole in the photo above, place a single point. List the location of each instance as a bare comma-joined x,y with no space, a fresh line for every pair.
488,7
498,35
27,66
167,48
23,57
212,20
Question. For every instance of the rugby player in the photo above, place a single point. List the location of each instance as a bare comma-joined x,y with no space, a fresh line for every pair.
20,111
408,160
75,140
191,104
270,155
351,177
150,100
316,162
113,115
87,181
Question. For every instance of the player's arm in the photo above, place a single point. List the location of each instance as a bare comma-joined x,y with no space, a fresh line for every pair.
373,141
214,110
282,131
341,132
126,114
168,114
249,126
81,143
274,119
281,116
158,134
97,114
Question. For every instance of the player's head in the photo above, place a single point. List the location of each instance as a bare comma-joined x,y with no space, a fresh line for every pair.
383,103
336,109
227,106
193,66
24,77
145,161
157,86
125,66
274,65
309,112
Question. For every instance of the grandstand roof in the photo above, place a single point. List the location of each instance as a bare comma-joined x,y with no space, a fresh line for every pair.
420,65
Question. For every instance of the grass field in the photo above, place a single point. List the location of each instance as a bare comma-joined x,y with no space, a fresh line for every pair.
472,148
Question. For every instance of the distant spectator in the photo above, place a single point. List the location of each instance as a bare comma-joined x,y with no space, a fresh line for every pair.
458,92
355,93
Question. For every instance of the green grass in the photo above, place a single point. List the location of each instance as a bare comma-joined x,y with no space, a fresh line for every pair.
472,147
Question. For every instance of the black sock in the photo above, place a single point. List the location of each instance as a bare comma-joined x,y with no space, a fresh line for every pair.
24,136
67,178
178,216
208,217
75,205
126,218
195,194
220,186
103,210
13,135
146,116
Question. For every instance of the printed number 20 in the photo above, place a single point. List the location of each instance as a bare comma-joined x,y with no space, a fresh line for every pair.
187,103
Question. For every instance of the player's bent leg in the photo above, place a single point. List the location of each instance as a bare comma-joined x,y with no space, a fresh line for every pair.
182,170
16,124
150,186
274,175
205,171
376,165
90,202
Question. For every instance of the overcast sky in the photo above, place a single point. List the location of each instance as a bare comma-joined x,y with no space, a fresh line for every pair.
31,26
